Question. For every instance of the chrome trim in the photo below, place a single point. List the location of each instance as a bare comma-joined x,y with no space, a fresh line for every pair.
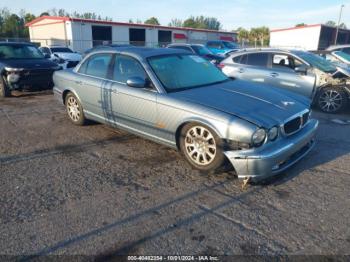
300,115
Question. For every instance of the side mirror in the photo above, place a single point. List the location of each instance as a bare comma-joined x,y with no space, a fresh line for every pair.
136,82
46,55
302,69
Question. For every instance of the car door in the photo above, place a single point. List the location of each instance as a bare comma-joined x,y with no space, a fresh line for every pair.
134,108
283,75
251,67
91,85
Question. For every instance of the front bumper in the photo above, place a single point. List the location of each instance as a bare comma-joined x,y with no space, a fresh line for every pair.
31,78
272,159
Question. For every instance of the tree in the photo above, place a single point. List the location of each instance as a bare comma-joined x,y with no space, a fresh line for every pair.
152,21
190,22
202,22
243,35
343,26
175,23
331,23
300,24
45,14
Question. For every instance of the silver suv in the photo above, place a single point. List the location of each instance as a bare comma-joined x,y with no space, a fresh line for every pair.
298,71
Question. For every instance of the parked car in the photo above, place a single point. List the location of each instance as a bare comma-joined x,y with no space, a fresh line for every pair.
295,70
343,48
221,46
22,65
183,101
104,47
200,50
62,55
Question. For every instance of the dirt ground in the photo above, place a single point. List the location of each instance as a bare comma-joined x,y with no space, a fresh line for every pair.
98,191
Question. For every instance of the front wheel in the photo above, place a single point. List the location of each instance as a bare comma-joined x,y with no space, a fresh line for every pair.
74,109
332,99
201,147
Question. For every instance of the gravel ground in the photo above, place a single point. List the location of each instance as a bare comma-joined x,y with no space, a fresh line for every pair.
98,191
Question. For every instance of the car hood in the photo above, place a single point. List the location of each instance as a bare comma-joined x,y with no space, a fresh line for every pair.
69,56
261,105
29,63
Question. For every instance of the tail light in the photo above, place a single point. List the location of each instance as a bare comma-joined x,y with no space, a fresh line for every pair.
221,65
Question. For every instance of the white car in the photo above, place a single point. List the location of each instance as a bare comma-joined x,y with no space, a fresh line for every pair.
62,55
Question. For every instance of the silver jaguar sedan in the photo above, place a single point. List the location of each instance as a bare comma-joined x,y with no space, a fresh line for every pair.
183,101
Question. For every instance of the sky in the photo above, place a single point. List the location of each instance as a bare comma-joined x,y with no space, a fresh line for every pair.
231,13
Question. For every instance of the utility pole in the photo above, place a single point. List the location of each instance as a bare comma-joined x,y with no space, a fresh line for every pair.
336,34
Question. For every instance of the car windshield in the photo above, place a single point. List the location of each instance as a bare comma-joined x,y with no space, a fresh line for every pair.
201,50
318,62
343,55
230,45
181,72
61,50
20,52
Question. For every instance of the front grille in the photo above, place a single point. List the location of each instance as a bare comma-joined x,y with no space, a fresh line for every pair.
296,123
292,125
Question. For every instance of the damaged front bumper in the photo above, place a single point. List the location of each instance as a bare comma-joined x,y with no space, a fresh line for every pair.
272,159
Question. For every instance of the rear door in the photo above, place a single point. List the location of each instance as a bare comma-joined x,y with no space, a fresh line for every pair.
283,75
250,67
91,85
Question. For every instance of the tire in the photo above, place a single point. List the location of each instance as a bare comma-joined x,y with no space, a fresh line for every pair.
74,110
4,90
332,99
202,148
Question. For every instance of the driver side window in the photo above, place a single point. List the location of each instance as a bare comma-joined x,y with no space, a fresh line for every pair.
126,67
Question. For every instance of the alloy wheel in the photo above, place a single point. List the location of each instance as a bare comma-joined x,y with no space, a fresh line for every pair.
200,145
73,108
330,101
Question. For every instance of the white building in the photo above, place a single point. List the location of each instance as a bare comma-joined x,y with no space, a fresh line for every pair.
81,34
309,37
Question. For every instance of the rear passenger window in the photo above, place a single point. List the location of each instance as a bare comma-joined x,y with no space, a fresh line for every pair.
96,65
259,59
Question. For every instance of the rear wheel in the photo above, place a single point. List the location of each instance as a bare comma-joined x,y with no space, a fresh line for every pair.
332,99
4,90
201,147
74,109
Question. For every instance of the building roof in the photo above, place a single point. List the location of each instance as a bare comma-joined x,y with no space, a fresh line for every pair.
305,26
81,20
295,27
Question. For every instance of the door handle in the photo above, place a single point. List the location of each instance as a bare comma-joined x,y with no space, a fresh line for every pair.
241,70
114,91
78,82
274,74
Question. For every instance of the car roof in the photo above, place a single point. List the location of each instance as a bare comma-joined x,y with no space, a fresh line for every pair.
185,44
144,52
16,43
262,50
332,47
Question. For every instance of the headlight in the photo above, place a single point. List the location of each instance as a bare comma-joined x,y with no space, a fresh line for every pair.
259,137
13,70
273,133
